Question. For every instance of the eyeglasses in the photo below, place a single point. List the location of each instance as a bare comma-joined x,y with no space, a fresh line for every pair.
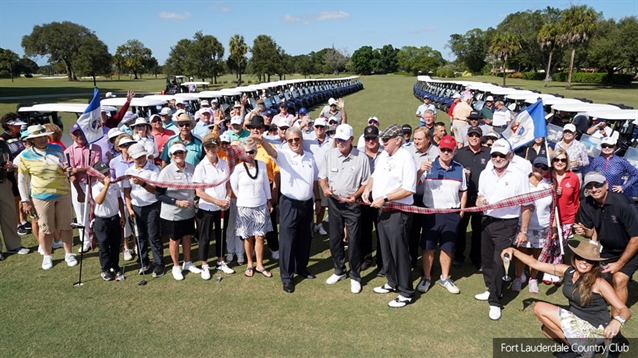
373,123
590,186
251,152
370,138
607,146
210,146
385,140
283,128
541,166
474,135
320,127
339,140
183,125
565,131
179,152
446,150
156,120
498,155
580,258
296,140
559,160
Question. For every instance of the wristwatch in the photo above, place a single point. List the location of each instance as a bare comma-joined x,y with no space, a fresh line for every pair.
524,233
385,198
620,319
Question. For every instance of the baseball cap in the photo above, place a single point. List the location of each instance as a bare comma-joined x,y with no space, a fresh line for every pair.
204,103
344,132
608,141
493,134
391,131
333,119
109,95
236,120
474,115
136,150
371,132
500,146
283,104
124,141
215,100
594,177
177,147
447,142
302,110
373,119
456,95
102,167
569,127
165,111
489,99
332,101
541,159
406,128
224,137
320,122
474,130
74,128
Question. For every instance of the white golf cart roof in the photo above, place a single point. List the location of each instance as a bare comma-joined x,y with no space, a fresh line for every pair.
168,97
209,94
62,107
230,92
136,101
582,107
195,83
180,76
521,95
621,114
549,100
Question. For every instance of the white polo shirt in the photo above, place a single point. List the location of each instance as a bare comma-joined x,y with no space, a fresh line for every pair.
395,172
139,196
111,206
298,174
542,207
206,172
318,149
494,188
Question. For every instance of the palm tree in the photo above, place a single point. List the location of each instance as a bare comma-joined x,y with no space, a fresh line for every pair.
548,38
238,49
577,26
504,45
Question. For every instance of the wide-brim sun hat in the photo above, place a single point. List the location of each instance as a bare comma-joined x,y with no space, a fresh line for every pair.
588,250
37,131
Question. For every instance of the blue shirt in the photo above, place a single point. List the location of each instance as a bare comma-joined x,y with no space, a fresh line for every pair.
194,150
201,129
614,169
442,185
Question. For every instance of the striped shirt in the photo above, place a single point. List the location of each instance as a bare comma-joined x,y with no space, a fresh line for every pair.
48,180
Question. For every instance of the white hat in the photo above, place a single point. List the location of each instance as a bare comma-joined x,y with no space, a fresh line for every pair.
373,118
333,119
570,127
176,147
236,120
206,110
321,122
129,116
332,101
136,150
237,105
36,131
16,122
114,132
204,103
606,140
109,95
489,99
180,101
594,177
344,132
456,95
125,140
500,146
215,100
224,137
140,120
165,111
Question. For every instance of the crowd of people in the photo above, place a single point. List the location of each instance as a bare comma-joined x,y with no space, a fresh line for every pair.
296,167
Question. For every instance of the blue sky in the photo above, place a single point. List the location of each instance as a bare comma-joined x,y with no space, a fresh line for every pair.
298,26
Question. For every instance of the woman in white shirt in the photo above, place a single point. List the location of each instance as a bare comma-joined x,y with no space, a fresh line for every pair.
250,184
142,134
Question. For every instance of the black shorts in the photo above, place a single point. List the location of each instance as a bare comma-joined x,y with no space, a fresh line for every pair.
630,267
176,230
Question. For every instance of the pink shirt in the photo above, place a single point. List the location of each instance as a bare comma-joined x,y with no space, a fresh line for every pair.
161,139
79,158
279,119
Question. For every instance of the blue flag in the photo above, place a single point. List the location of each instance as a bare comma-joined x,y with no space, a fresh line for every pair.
90,122
528,125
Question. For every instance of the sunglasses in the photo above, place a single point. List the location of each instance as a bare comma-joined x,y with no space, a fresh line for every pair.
251,152
498,155
320,127
370,138
156,120
446,150
296,140
474,135
283,128
183,125
541,166
225,143
210,146
179,152
590,186
339,140
559,160
580,258
565,131
372,123
607,146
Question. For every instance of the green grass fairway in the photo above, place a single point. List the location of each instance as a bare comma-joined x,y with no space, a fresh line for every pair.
43,314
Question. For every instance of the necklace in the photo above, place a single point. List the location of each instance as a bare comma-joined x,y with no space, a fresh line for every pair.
248,171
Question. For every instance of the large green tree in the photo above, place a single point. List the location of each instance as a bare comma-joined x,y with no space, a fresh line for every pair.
304,65
388,58
419,59
205,57
266,57
361,60
615,46
8,61
576,27
524,25
176,62
237,58
57,40
504,45
136,56
93,59
27,66
548,38
336,59
471,49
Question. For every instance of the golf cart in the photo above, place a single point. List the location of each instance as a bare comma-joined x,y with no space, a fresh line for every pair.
174,84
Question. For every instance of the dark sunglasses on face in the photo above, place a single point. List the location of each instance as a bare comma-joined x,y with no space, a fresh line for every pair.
559,160
339,140
498,155
607,146
565,131
474,135
446,150
251,152
579,258
183,125
156,120
541,166
179,152
320,127
373,123
590,186
385,140
296,140
370,138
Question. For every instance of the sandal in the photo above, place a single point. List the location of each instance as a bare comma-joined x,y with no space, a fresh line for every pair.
264,272
249,272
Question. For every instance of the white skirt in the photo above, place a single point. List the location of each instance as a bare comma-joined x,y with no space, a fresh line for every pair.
253,221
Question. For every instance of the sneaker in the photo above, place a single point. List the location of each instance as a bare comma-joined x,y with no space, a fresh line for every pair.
128,256
20,251
225,269
57,244
516,285
556,280
158,271
106,276
326,219
482,296
144,270
205,272
532,285
383,289
449,285
399,302
70,260
495,313
274,255
229,258
40,250
424,285
27,225
355,286
547,279
177,273
119,276
47,262
23,231
320,230
190,267
334,278
86,247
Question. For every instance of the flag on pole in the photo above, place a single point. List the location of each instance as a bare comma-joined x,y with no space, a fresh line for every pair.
90,122
528,125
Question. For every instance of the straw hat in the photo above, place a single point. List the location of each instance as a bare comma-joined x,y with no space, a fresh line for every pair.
37,131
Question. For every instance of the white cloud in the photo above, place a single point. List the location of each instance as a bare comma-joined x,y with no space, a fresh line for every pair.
173,15
314,17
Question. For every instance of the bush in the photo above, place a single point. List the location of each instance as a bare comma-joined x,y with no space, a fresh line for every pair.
488,73
560,76
515,75
595,78
445,73
249,82
533,76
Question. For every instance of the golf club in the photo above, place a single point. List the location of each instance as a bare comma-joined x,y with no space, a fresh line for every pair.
81,228
219,274
133,224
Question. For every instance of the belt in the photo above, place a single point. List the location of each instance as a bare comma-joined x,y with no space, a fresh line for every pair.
491,218
503,126
112,218
303,202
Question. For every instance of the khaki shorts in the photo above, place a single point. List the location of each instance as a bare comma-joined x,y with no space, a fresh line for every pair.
457,125
56,214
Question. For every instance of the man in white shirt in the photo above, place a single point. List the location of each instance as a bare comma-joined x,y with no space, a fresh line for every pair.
394,180
319,146
500,226
420,111
337,109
